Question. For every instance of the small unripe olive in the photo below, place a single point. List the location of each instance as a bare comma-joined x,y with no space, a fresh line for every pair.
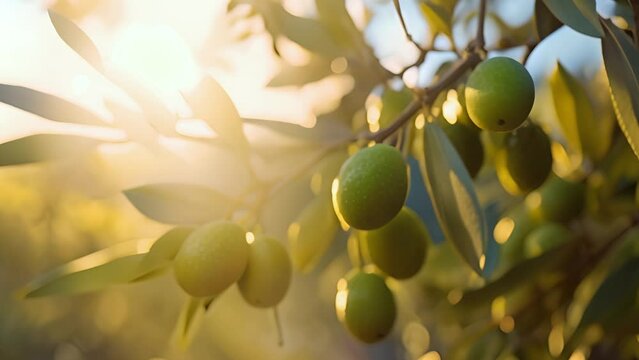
372,187
468,145
211,259
499,94
268,273
524,161
366,306
399,247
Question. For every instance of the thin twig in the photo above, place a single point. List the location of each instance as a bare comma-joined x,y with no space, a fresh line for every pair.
398,10
480,41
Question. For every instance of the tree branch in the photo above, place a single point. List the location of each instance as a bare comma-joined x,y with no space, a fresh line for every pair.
398,10
429,95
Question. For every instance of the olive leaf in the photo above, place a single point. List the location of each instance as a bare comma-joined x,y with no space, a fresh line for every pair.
581,15
185,204
586,134
393,103
154,110
621,60
439,16
312,232
48,106
190,317
119,264
453,194
210,102
545,22
77,39
44,147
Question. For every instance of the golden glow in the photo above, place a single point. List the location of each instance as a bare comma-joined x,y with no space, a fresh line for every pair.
563,162
533,200
293,231
340,217
454,296
339,65
372,114
503,230
498,308
415,338
374,127
420,121
556,340
451,108
156,56
431,355
507,324
482,261
620,22
578,355
340,303
250,237
342,284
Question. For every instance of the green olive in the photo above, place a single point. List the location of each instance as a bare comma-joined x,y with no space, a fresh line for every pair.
399,247
468,145
524,161
499,94
211,259
544,238
557,200
268,273
372,187
366,305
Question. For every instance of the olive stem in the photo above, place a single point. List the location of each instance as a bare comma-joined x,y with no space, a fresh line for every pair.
398,10
278,325
360,254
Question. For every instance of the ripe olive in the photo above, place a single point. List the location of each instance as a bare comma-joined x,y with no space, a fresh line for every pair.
499,94
544,238
524,161
211,259
399,247
372,187
366,305
268,273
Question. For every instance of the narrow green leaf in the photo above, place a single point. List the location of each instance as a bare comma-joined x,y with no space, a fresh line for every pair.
621,60
453,194
545,22
47,106
77,39
179,203
585,133
120,264
307,33
438,16
190,318
312,232
581,15
616,294
114,265
44,147
210,102
393,103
